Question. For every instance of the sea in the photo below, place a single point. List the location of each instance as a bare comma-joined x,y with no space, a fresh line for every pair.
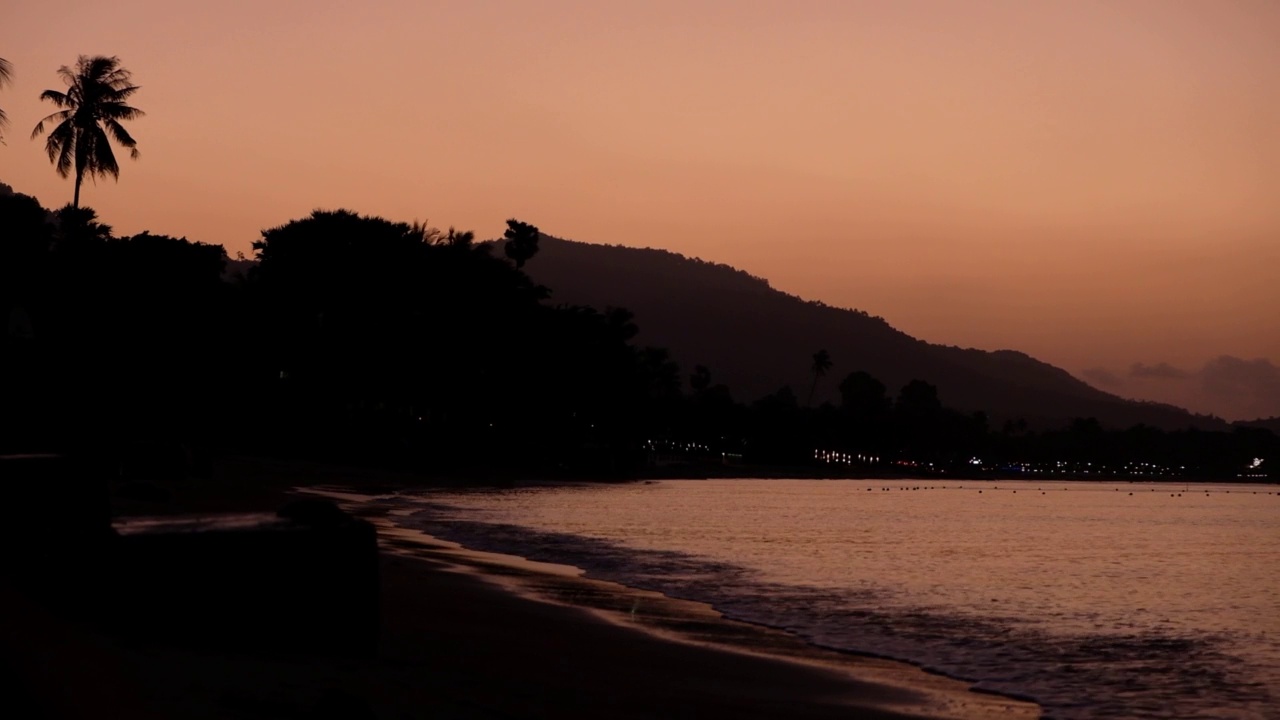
1094,599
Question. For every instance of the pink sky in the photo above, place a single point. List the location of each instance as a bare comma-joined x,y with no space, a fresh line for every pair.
1094,183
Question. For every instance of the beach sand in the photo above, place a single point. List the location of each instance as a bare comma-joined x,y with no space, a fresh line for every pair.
478,635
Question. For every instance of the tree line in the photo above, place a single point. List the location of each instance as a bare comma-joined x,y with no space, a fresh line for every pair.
364,339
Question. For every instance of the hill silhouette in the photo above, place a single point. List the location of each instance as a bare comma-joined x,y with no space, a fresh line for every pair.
1271,423
756,339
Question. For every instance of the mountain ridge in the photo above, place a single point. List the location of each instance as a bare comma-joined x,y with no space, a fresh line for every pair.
755,339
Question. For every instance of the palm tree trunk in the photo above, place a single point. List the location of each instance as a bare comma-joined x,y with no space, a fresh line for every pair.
75,203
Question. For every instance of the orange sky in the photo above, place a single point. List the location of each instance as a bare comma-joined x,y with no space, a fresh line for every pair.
1094,183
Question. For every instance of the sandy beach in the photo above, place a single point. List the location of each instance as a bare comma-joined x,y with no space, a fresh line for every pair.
476,635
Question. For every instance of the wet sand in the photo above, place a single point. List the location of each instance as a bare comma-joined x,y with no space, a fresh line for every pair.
478,635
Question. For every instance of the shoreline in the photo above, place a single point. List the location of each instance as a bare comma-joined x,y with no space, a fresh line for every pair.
310,471
871,685
470,634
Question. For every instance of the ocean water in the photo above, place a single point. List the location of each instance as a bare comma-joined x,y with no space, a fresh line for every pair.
1097,600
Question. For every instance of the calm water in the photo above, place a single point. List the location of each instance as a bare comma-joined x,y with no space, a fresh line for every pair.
1093,601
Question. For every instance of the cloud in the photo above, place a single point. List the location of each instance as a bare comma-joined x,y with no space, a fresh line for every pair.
1159,371
1228,376
1227,386
1102,376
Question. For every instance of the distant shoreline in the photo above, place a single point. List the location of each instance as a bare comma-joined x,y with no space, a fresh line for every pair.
251,475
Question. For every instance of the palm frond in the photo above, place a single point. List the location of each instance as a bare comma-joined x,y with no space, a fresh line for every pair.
98,67
6,77
59,116
101,159
118,132
61,100
61,147
68,75
118,93
119,111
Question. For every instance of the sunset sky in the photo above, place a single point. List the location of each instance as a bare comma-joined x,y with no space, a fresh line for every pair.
1094,183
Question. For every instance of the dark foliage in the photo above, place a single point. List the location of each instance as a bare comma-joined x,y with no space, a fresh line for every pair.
360,339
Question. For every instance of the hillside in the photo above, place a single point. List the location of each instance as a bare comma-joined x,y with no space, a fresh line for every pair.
1271,423
755,339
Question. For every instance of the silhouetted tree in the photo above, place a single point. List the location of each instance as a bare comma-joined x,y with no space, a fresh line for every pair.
463,241
781,400
77,226
522,242
919,418
1086,427
777,435
821,364
28,234
373,331
710,415
865,410
92,109
661,373
6,77
700,380
1014,427
918,399
863,396
622,322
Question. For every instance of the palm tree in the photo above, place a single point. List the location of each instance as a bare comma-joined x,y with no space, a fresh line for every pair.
6,77
92,109
821,364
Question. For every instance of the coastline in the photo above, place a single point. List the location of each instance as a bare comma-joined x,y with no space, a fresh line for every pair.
722,665
313,471
472,634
